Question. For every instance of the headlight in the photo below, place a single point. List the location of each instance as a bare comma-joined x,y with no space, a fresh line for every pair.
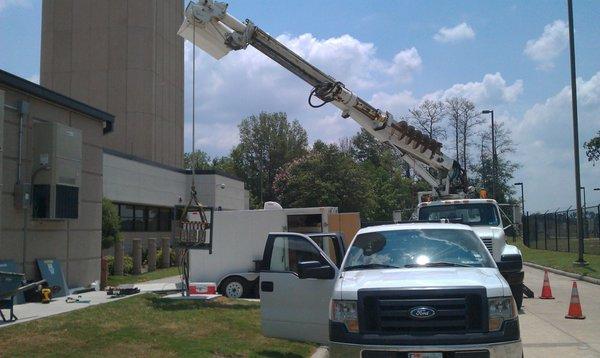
345,312
500,310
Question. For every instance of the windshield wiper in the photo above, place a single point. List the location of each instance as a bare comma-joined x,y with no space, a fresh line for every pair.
438,264
368,266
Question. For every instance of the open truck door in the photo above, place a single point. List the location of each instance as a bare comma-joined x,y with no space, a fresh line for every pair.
296,283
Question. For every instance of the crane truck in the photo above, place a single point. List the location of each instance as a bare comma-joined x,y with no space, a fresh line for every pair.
208,25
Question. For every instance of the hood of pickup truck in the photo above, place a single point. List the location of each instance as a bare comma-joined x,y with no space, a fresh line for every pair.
488,231
348,285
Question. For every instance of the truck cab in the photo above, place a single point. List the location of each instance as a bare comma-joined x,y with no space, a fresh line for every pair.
484,217
420,289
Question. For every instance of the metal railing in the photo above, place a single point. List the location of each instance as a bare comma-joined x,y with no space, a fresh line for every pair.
557,231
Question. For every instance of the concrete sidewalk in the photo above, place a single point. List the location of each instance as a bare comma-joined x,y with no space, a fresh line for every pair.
544,330
31,311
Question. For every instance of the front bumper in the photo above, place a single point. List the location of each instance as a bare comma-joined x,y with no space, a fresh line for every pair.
512,349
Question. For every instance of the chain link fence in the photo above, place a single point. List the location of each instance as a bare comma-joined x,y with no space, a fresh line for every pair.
557,231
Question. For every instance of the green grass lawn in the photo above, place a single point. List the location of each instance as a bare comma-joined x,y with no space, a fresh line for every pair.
150,326
561,260
154,275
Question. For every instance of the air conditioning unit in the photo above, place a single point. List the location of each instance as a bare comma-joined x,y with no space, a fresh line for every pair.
56,171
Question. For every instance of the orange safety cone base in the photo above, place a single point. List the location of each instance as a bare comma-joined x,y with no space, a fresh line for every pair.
574,317
546,298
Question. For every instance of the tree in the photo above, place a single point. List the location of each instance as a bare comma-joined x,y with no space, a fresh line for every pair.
198,160
111,224
464,119
453,110
326,176
428,117
267,142
505,167
592,148
469,120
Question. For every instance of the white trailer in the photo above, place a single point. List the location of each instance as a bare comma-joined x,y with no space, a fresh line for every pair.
239,240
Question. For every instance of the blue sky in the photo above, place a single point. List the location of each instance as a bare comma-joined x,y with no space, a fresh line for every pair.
511,56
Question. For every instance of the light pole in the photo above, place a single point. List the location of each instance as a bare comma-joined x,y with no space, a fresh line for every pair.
494,157
522,198
580,261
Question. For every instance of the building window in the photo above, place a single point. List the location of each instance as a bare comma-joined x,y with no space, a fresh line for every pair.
144,218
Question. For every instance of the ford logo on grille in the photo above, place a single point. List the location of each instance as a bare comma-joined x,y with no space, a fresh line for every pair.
422,312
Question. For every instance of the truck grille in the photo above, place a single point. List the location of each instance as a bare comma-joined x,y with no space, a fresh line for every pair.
487,241
388,312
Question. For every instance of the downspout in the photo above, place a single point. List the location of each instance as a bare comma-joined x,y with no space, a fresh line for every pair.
23,111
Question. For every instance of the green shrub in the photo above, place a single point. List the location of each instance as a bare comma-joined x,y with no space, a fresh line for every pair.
172,261
127,265
111,264
111,224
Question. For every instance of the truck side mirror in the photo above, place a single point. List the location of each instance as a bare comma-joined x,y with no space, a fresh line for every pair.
315,269
510,230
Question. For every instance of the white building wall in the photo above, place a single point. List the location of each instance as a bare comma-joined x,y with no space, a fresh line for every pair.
132,181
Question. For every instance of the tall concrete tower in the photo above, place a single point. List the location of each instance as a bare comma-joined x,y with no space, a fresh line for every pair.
122,56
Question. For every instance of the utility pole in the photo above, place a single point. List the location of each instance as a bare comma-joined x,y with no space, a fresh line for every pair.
580,260
494,156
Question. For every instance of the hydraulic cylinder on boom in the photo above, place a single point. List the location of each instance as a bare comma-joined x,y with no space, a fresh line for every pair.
209,26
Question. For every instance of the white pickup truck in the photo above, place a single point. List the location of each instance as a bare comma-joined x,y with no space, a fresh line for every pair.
484,217
404,290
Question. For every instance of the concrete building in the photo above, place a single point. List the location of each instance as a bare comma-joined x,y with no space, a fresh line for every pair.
24,107
123,57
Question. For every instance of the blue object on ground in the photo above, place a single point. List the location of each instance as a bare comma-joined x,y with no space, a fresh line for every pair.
11,266
53,274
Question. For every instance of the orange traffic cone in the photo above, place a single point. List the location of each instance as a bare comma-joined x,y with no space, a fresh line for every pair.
546,290
575,306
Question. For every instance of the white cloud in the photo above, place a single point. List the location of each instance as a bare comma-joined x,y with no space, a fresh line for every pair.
396,103
247,82
492,89
5,4
219,136
546,145
549,45
457,33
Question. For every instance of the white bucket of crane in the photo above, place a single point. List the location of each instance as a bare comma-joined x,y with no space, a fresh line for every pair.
207,25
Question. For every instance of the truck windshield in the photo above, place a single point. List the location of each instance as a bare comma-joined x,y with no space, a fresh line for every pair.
417,248
468,214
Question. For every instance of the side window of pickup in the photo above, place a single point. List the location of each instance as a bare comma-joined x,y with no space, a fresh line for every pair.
288,251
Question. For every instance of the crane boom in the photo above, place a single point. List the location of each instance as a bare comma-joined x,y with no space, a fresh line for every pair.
208,26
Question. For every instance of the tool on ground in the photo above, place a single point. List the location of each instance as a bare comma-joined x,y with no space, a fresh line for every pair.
46,295
122,290
77,299
575,311
546,290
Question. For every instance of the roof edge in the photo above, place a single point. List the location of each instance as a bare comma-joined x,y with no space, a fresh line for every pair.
49,95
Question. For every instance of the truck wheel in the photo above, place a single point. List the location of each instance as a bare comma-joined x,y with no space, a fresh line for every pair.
235,287
517,291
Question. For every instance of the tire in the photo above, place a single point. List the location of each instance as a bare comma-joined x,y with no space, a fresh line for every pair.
235,287
517,291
